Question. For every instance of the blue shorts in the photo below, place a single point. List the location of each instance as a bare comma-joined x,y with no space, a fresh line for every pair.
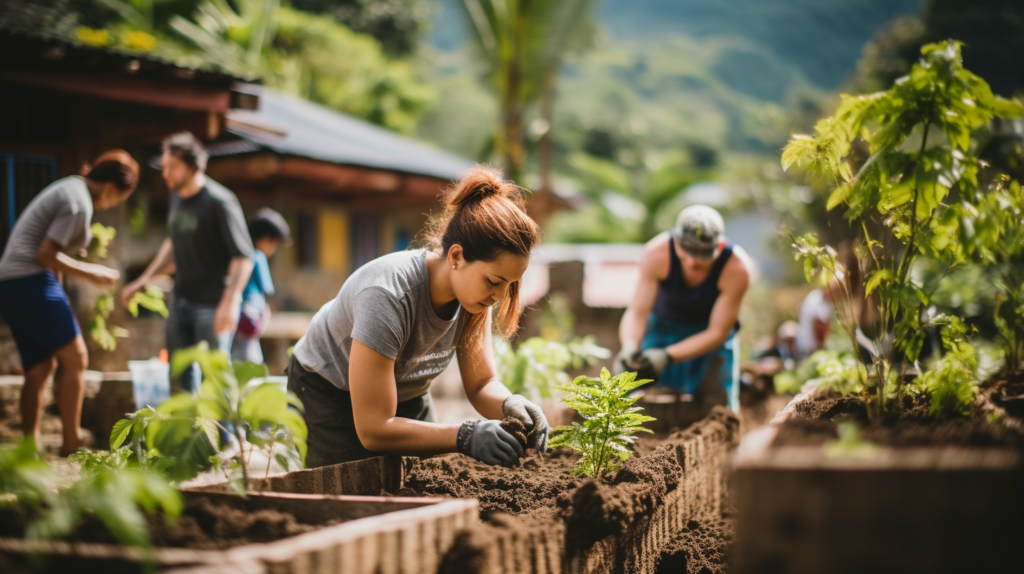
38,312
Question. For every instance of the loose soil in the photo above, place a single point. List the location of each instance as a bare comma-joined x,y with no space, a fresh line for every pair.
202,525
816,419
542,497
700,548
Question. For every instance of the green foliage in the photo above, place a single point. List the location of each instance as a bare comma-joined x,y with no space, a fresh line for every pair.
538,365
850,443
114,496
399,25
952,384
258,416
105,336
811,368
841,374
918,135
152,298
24,475
610,421
102,235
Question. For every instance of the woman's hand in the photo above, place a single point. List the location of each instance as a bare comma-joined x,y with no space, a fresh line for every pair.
530,415
488,443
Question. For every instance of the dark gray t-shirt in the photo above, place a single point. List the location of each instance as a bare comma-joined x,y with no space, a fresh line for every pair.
62,212
386,306
207,230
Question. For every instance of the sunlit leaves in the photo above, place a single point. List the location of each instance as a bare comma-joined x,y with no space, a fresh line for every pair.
610,421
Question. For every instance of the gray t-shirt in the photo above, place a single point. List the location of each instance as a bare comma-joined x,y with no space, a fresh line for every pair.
386,306
62,212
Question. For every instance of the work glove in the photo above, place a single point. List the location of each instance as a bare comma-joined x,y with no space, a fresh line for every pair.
487,442
650,361
621,363
530,415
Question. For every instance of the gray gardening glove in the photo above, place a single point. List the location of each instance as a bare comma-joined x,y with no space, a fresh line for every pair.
531,415
621,363
650,361
488,443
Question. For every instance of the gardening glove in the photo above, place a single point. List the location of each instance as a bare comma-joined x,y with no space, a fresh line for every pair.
651,360
487,442
530,415
621,363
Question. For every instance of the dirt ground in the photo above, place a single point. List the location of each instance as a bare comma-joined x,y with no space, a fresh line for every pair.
817,419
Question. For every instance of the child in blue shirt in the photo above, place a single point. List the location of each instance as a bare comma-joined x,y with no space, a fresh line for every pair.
269,231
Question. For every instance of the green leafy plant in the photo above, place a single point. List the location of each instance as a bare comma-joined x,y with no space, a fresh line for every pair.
106,337
538,365
114,496
610,421
102,235
181,437
25,478
917,136
839,369
952,384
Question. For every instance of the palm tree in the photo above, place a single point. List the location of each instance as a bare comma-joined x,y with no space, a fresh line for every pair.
524,43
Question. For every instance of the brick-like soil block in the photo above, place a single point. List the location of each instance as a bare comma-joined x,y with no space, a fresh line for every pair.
279,533
934,494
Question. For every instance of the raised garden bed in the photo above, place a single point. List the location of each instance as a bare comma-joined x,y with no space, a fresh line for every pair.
278,533
540,518
934,495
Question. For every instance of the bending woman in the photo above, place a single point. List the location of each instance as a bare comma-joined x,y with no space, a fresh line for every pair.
364,368
53,226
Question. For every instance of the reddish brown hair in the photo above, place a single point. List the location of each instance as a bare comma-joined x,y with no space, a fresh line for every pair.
486,215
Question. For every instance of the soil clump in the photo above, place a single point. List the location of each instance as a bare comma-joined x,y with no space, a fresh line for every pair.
516,428
202,525
816,421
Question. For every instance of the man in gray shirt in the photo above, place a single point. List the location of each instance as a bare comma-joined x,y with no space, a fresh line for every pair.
209,251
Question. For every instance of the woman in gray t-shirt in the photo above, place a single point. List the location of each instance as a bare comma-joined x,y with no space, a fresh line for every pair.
32,301
363,370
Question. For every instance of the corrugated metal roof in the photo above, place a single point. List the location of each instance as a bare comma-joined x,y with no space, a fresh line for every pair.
291,125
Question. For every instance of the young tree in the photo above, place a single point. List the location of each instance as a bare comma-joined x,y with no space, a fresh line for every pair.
918,135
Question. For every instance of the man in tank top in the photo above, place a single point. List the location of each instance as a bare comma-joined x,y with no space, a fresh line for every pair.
681,325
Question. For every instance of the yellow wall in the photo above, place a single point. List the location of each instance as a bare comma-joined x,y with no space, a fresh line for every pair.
387,235
334,241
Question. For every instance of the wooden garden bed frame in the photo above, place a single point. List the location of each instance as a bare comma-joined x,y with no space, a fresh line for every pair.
382,536
908,509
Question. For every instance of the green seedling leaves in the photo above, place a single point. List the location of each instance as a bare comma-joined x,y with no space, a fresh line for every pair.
610,421
850,443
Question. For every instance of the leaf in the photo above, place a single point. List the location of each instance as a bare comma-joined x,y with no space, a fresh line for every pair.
120,432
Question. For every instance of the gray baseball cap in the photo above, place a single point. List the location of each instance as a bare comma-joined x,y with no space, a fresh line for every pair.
698,230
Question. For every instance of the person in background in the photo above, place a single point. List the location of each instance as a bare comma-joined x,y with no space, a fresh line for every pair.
815,321
208,250
684,314
54,226
268,231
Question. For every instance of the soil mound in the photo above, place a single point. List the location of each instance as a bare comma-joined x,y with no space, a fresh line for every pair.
534,484
817,418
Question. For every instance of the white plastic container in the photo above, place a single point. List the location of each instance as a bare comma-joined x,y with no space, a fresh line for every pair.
151,382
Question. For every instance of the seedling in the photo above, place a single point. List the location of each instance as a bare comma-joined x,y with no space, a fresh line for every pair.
610,421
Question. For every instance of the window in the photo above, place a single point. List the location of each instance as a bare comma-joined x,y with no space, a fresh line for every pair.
22,177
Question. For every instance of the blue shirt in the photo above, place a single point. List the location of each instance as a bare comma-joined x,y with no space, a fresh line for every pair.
260,285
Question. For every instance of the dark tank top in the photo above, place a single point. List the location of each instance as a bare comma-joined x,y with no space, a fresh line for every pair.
680,303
